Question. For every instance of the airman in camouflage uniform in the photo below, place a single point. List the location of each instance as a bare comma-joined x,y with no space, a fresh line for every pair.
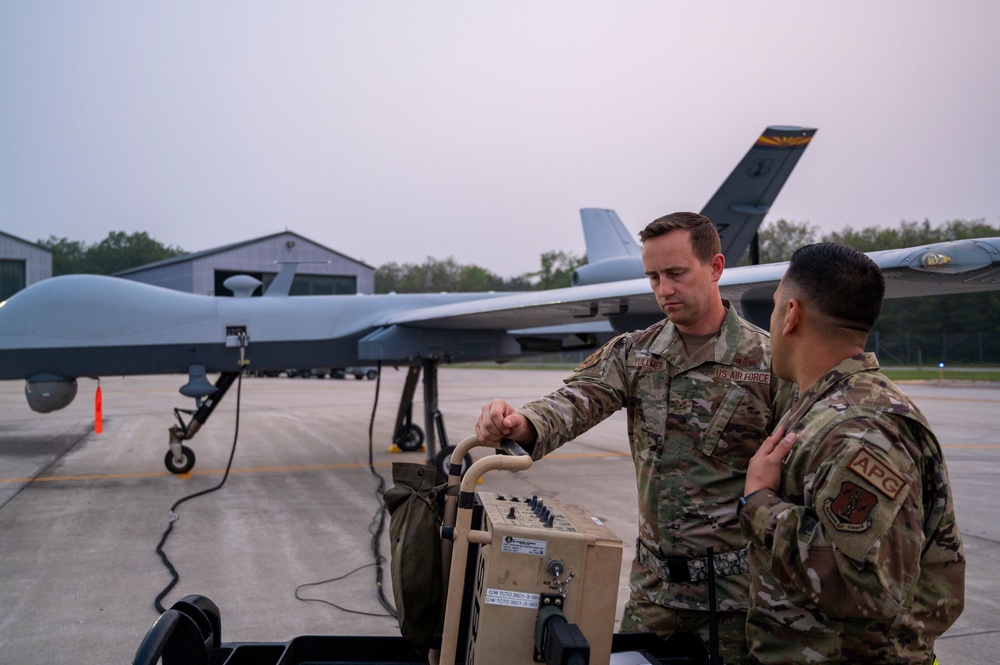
696,414
855,554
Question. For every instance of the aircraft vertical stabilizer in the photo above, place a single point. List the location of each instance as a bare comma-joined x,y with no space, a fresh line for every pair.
605,236
739,205
737,208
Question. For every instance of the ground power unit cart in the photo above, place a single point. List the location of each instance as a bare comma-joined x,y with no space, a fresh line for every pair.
514,580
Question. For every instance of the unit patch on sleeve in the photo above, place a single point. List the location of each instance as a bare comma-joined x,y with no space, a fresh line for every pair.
849,510
590,361
884,479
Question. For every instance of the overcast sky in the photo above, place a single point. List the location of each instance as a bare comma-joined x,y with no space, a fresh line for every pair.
477,130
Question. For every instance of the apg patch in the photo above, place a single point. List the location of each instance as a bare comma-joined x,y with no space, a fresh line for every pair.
884,479
849,510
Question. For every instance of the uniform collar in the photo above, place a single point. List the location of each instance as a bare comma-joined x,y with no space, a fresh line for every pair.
862,362
669,345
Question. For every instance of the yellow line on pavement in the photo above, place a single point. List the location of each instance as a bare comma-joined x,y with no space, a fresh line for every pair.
354,465
262,469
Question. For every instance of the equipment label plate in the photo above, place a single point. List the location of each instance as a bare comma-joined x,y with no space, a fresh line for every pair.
523,546
511,598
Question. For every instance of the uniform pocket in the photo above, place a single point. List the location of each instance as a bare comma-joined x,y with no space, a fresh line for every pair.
650,400
736,429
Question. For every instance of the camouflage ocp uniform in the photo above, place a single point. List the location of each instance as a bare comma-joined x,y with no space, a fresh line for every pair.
694,422
858,558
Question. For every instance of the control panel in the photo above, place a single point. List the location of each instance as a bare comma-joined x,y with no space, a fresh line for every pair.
541,552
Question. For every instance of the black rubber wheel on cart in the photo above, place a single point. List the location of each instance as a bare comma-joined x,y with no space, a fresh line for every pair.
186,463
443,461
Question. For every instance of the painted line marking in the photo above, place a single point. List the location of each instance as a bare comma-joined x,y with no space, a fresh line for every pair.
334,467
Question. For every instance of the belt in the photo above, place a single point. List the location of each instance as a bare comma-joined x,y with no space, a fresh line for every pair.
683,569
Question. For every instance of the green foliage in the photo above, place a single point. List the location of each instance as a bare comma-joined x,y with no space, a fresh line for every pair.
954,314
68,256
910,234
779,240
557,270
433,276
119,251
906,324
948,374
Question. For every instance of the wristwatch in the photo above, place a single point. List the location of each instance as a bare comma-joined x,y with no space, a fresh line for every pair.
740,505
742,502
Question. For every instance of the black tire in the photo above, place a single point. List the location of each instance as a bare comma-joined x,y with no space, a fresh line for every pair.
409,438
443,461
187,461
372,374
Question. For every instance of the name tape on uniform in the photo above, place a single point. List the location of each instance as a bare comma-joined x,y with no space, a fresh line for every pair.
741,375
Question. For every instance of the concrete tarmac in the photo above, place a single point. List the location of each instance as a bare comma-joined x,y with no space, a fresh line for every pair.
81,513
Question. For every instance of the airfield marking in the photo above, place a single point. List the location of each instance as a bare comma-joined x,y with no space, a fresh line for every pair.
953,399
356,465
263,469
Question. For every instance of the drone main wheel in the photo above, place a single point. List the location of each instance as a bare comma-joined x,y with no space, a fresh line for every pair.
186,463
409,438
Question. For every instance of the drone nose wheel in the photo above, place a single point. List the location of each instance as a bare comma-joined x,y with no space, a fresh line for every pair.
182,465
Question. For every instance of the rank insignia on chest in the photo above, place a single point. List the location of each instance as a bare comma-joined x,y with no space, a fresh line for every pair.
849,510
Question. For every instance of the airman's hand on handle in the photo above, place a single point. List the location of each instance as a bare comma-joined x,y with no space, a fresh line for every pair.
499,420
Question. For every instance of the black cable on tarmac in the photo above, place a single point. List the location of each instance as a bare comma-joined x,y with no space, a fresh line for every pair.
175,577
376,528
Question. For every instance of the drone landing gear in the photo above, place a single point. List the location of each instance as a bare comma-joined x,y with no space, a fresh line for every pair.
409,437
180,458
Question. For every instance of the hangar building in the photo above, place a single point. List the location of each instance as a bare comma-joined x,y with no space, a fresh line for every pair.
22,263
320,270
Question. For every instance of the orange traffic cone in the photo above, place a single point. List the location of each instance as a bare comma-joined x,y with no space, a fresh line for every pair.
98,414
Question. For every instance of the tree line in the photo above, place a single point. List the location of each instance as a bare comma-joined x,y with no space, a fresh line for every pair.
932,316
119,251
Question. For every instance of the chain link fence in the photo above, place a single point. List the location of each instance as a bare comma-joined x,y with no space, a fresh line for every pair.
893,349
928,349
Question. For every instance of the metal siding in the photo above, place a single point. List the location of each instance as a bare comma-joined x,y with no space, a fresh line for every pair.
197,275
37,261
265,255
177,276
